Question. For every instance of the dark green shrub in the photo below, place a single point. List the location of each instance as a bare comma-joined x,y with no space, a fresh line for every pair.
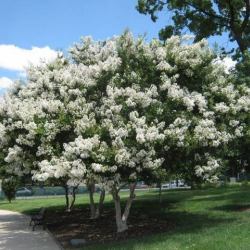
9,186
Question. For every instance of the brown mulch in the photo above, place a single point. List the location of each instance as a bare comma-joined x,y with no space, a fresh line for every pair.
77,225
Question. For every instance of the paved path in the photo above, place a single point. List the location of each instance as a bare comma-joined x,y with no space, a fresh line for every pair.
15,234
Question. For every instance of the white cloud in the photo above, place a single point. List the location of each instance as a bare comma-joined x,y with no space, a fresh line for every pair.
15,58
5,83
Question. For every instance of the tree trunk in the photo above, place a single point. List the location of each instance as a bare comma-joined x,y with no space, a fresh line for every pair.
91,188
73,198
120,222
66,188
238,32
99,209
121,219
177,182
160,193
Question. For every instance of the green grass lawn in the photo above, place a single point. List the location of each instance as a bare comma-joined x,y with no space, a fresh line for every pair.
205,219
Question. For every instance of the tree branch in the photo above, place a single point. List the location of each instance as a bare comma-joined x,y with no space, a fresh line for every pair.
210,14
237,33
129,201
231,10
246,18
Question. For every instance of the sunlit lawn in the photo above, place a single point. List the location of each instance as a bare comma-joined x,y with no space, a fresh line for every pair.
204,219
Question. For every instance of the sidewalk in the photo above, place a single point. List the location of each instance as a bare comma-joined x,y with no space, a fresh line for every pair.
15,234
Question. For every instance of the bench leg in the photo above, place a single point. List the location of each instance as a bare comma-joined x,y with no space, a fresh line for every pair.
38,223
31,222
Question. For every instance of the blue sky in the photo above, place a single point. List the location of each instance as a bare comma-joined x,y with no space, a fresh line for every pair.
57,24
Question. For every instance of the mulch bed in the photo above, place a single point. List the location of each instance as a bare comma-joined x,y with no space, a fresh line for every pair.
77,225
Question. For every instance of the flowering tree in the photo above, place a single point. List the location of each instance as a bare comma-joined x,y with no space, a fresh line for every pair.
119,111
36,123
158,100
69,116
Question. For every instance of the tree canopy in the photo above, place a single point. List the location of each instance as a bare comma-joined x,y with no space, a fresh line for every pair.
204,18
123,110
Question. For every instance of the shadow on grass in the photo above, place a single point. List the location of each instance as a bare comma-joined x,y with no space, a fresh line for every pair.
4,203
181,222
148,202
233,208
207,194
184,223
243,195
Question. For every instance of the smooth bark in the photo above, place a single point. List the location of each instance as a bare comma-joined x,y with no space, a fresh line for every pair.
73,198
99,209
121,218
70,203
91,188
66,188
95,210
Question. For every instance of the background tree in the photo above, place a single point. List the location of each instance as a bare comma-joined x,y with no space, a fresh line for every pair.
204,18
243,70
158,177
9,186
238,152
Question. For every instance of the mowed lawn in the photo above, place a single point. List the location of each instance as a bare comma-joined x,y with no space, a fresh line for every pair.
209,219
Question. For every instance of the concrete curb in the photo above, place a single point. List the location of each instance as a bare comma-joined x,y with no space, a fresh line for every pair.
49,233
55,239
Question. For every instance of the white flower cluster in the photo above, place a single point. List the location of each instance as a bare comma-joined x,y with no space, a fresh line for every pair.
14,154
206,133
221,107
189,99
2,135
81,147
177,130
209,170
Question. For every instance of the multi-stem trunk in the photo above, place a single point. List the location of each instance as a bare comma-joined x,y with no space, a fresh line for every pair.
99,208
73,198
121,218
95,210
70,204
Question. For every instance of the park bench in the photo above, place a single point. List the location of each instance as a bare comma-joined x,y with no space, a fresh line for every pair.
38,219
